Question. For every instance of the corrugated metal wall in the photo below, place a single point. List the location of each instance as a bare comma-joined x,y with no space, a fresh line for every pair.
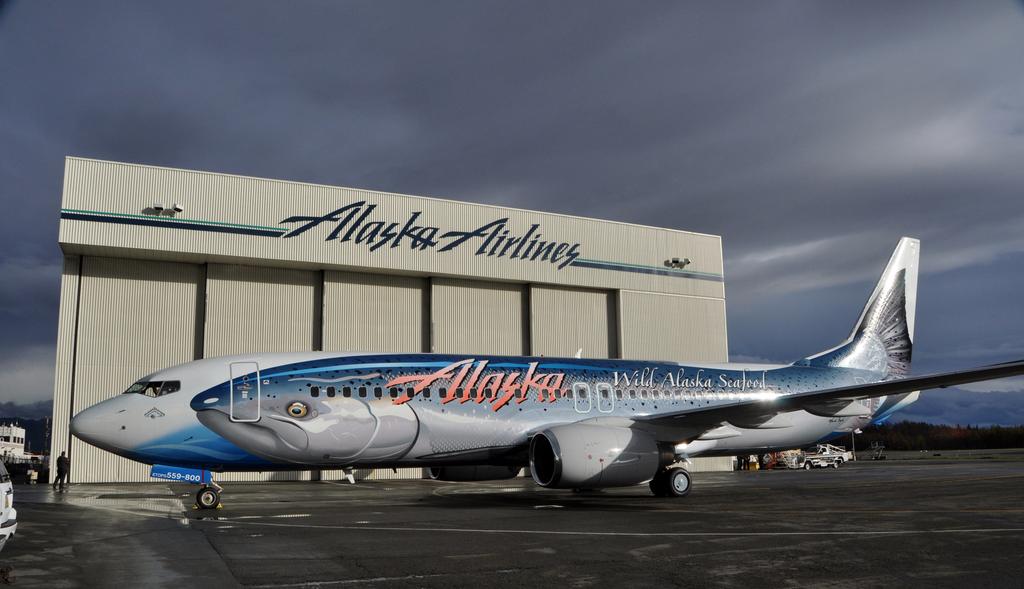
673,328
375,313
563,320
712,464
253,309
64,373
474,317
152,327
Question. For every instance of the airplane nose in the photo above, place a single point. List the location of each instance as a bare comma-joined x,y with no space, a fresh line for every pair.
98,425
88,425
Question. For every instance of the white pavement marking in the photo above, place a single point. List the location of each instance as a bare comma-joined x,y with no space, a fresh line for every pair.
646,534
283,515
370,580
352,581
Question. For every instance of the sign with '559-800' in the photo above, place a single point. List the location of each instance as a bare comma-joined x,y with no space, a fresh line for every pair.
356,223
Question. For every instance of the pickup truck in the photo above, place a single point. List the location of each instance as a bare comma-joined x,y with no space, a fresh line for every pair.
825,455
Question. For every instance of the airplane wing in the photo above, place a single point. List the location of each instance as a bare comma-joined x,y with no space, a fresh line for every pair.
829,402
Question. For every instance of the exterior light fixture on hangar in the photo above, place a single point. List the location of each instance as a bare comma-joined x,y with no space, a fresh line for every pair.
163,266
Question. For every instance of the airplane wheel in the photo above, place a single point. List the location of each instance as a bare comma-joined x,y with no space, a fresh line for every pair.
807,466
659,484
208,498
678,482
835,465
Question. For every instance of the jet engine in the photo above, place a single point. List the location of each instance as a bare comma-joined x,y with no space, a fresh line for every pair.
594,456
472,473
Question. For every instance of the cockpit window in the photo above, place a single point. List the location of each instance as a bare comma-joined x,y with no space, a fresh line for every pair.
137,387
170,386
155,388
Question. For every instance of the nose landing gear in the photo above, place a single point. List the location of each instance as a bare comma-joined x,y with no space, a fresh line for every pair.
208,496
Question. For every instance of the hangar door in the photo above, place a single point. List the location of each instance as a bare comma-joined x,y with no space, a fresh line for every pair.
672,327
253,309
135,317
564,320
472,317
375,313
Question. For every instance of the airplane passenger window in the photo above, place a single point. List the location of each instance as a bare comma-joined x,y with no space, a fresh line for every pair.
362,392
426,393
346,392
377,392
394,393
331,391
314,391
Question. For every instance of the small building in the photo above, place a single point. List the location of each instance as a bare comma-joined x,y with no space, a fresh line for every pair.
163,266
12,443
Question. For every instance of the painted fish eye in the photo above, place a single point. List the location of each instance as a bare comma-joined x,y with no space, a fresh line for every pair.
298,409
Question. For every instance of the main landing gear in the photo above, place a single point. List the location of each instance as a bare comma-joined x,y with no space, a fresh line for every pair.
208,496
671,482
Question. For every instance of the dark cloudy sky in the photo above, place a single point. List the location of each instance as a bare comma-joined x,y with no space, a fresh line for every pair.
811,136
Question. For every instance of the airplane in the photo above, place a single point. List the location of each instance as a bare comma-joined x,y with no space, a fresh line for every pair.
575,423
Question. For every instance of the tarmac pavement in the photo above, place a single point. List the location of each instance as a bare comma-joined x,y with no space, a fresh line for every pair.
919,524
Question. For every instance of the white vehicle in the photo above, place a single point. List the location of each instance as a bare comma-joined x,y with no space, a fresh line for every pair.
8,515
825,455
830,450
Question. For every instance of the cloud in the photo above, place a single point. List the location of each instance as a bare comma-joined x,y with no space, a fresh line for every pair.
27,374
28,282
1004,385
810,136
959,407
34,410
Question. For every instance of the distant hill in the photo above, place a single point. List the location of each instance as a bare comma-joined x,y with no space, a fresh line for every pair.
37,410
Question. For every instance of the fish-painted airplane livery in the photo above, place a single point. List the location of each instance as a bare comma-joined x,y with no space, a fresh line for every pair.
575,423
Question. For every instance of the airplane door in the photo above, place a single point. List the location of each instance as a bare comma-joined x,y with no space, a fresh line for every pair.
605,397
245,392
581,397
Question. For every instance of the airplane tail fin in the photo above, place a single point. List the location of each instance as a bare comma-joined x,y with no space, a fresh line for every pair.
883,337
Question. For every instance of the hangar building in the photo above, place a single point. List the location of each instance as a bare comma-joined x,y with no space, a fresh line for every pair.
251,264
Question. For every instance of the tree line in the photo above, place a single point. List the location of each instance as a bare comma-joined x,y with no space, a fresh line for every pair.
915,435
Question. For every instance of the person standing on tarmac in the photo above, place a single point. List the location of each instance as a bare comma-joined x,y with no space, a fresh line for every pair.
62,471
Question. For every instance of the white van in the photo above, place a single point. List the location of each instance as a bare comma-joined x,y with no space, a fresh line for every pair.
8,515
